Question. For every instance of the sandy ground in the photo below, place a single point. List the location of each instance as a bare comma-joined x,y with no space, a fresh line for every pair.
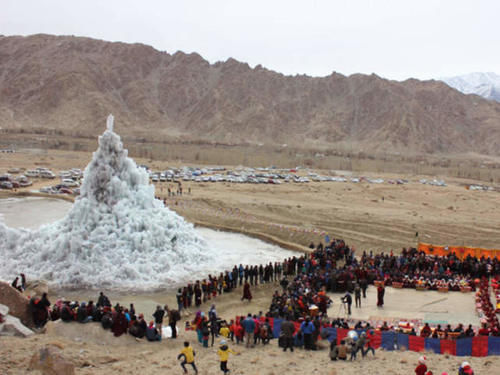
429,306
368,216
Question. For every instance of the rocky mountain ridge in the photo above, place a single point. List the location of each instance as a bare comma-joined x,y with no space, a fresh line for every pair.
69,85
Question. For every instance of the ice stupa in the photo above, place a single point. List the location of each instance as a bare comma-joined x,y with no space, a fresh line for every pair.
116,235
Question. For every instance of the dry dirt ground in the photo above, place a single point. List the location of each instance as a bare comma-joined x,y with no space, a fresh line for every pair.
368,216
376,217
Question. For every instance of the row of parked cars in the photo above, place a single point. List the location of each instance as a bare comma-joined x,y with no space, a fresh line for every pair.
7,181
40,173
214,174
256,176
70,180
61,188
70,183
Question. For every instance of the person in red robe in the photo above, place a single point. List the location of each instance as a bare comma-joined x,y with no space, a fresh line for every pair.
120,324
380,295
246,292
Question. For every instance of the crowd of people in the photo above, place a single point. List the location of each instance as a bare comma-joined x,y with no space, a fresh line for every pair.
305,282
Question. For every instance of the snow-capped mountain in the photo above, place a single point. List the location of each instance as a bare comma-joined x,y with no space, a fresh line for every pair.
486,85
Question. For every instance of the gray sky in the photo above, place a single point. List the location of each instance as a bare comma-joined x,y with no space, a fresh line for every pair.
395,39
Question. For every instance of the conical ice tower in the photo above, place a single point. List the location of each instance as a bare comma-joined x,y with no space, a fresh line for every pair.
116,235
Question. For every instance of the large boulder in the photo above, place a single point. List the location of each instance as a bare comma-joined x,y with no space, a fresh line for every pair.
49,361
17,303
36,288
13,327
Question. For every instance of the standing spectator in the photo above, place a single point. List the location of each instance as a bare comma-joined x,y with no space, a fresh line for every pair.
214,325
380,295
158,315
180,300
347,299
363,283
205,332
357,295
307,328
287,331
249,327
173,317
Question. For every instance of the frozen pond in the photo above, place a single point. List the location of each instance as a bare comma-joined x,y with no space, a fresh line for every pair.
33,212
231,248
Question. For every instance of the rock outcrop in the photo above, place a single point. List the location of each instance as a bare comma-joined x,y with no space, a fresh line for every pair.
17,303
13,327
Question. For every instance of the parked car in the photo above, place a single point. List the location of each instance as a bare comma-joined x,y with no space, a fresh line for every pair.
69,182
47,174
65,191
6,185
32,173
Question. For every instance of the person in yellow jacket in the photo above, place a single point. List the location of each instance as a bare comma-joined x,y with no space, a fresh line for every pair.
223,353
187,355
224,330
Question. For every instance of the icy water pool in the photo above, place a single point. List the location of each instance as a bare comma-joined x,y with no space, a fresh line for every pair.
231,248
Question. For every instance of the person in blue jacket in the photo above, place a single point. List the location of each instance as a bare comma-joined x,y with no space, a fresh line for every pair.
249,327
307,328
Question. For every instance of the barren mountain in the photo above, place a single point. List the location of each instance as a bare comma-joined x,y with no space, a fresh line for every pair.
68,85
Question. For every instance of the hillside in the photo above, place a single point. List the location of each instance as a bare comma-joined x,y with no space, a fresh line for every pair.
68,85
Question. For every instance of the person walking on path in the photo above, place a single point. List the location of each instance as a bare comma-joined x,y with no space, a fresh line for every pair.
247,294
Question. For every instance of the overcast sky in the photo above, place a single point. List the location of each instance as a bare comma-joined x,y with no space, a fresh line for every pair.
395,39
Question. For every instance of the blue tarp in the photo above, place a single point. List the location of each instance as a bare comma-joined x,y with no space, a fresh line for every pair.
402,340
277,327
464,347
388,340
433,345
332,334
493,345
298,341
